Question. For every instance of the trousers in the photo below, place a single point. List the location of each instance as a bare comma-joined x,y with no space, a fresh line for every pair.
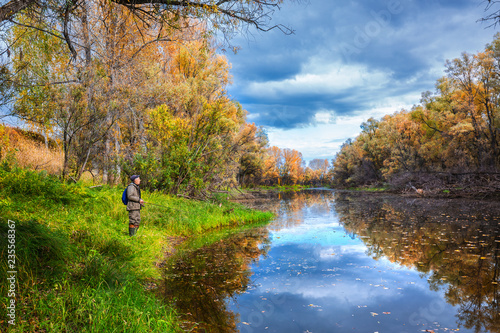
134,217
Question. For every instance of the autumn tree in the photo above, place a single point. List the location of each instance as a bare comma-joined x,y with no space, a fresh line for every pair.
251,168
103,64
347,164
273,163
226,17
451,137
6,89
50,97
283,166
79,100
316,173
196,134
292,169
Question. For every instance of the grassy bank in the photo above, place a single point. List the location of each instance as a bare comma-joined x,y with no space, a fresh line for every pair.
77,268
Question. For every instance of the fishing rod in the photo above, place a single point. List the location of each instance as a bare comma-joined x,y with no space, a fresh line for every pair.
154,204
150,203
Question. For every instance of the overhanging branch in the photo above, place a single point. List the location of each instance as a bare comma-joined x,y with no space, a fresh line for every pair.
11,8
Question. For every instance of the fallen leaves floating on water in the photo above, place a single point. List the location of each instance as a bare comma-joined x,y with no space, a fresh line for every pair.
314,306
445,255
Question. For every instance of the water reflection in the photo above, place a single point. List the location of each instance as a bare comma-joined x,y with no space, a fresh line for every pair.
291,207
200,280
343,262
455,242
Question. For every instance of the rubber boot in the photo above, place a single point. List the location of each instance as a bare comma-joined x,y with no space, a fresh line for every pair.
131,230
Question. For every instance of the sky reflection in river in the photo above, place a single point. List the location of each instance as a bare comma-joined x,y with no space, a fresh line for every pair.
318,278
337,263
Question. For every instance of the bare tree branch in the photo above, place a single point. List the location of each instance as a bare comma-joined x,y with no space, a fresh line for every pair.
493,18
12,8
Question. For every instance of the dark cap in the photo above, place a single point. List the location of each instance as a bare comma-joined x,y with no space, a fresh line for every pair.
134,177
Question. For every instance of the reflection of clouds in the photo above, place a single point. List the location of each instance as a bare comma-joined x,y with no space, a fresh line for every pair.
334,252
352,280
314,230
304,234
296,208
350,292
320,277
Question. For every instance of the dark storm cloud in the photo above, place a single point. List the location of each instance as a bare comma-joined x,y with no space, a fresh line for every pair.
298,111
348,57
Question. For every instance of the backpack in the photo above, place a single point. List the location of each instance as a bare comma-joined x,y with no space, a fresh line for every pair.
124,196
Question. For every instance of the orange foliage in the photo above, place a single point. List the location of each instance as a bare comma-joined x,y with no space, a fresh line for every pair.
29,152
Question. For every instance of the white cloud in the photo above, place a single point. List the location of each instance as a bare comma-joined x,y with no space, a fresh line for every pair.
324,117
305,81
335,78
325,137
320,141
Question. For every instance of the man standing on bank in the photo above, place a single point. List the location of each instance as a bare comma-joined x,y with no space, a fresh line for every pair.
134,204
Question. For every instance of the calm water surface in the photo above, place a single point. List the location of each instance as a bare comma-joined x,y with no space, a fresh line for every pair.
343,262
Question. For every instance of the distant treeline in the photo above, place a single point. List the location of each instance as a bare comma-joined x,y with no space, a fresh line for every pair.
254,163
275,166
452,137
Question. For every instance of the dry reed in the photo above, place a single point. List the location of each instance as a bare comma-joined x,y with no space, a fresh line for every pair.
29,153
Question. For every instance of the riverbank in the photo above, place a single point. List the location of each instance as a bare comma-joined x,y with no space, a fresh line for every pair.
76,267
247,192
468,192
469,185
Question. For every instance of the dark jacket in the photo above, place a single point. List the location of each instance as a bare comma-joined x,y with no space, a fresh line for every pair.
134,197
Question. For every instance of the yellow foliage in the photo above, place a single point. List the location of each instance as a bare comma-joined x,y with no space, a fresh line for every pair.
462,128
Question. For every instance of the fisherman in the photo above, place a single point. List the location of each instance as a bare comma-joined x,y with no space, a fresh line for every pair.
134,204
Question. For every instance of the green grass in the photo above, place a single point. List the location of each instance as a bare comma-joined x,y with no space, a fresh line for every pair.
78,270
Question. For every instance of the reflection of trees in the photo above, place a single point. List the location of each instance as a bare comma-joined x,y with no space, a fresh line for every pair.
290,207
456,242
199,281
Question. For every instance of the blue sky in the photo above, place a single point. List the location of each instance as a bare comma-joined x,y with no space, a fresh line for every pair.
346,62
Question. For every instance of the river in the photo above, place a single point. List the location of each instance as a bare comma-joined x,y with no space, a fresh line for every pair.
345,262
